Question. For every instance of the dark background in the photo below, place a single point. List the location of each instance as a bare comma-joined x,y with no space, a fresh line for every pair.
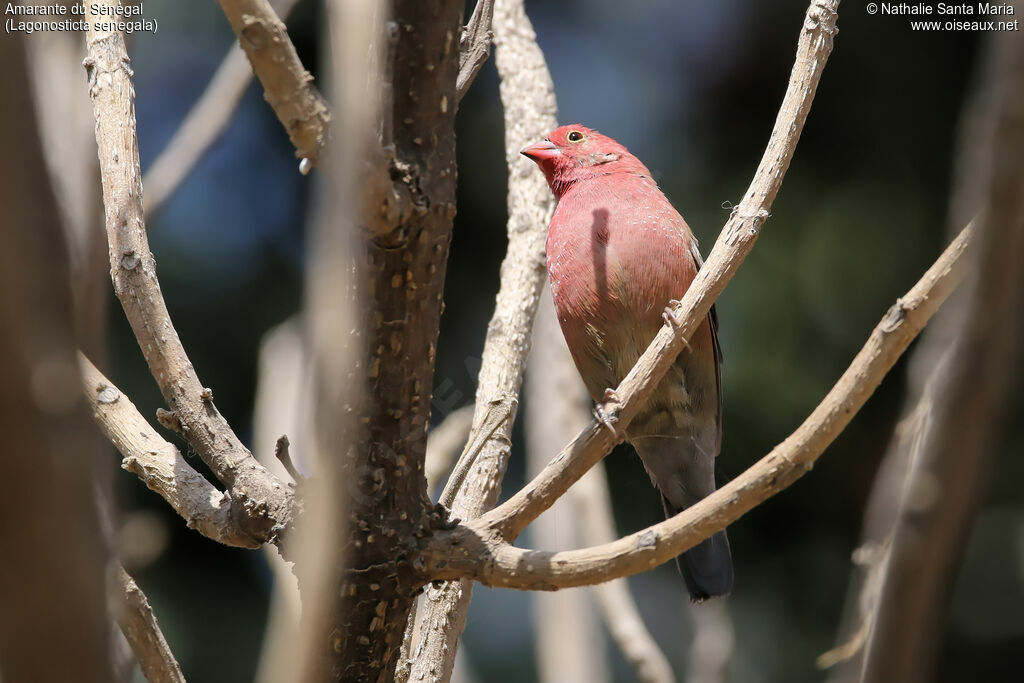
692,88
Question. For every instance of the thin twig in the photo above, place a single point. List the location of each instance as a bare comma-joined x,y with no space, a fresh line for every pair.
282,454
444,442
203,124
159,464
133,271
287,86
473,550
140,629
528,98
474,46
499,412
887,490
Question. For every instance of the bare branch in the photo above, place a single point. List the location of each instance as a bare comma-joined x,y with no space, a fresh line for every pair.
203,124
734,243
443,442
159,464
945,482
528,98
499,415
887,490
133,270
139,626
614,600
53,591
287,86
285,458
474,46
476,550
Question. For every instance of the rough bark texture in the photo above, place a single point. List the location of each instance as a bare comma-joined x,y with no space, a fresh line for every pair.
54,624
159,463
287,86
262,503
402,282
474,46
945,482
528,98
139,626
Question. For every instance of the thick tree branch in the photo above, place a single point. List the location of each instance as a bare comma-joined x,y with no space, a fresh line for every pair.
159,464
139,626
477,551
528,98
734,243
945,482
287,86
474,46
264,498
53,593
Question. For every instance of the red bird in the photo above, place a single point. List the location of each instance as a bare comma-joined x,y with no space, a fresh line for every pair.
617,253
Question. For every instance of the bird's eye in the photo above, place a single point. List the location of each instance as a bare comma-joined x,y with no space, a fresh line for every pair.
574,136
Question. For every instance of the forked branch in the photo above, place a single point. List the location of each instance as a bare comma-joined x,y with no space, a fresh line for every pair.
264,498
475,550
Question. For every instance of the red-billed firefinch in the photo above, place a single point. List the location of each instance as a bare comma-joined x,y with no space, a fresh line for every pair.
617,253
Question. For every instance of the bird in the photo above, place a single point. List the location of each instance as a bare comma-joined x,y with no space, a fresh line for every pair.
618,253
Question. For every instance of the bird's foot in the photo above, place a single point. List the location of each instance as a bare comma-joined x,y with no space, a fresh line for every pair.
668,316
607,411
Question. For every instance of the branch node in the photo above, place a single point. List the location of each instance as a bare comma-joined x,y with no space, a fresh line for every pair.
107,394
169,419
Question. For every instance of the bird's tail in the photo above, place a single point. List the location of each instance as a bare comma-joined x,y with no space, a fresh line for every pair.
707,567
684,473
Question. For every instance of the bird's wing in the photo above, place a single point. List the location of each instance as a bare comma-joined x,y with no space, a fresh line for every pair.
717,347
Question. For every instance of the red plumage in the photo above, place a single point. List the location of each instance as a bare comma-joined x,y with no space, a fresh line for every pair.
617,253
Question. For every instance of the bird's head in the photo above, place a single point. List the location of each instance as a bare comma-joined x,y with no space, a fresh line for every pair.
574,153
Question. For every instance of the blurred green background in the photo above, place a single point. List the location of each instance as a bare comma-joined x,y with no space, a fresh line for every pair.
692,88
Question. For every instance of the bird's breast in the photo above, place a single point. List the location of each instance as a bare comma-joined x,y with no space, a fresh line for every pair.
617,252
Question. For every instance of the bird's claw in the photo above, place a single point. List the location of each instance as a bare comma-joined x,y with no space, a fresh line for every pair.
668,316
607,411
